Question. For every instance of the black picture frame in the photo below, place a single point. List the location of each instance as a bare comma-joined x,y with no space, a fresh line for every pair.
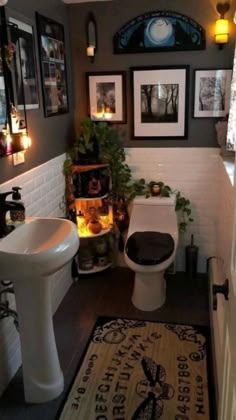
110,86
212,89
160,102
52,57
25,76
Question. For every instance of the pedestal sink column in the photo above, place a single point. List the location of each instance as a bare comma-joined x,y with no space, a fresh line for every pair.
42,375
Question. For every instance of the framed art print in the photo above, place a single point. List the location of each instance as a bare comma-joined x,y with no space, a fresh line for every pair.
159,31
3,107
53,65
107,96
212,93
159,97
24,65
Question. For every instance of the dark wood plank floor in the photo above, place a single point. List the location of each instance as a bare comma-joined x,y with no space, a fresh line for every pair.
109,294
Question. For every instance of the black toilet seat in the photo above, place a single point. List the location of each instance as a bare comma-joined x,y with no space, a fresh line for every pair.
149,248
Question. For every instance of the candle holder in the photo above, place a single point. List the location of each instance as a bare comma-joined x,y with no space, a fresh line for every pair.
91,29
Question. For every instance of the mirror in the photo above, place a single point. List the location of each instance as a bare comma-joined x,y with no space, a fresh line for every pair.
13,124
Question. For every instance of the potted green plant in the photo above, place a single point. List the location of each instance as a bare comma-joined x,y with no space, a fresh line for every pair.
123,187
85,148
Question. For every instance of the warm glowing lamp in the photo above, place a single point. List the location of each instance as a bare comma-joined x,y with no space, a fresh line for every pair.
222,31
222,25
25,141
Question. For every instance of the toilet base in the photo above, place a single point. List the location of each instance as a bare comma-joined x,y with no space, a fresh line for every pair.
149,291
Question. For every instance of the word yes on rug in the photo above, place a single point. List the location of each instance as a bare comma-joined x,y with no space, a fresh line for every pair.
137,370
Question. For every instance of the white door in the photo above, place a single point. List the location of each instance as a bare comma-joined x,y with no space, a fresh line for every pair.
224,332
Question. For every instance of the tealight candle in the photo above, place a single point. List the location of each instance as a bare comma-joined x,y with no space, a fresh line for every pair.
90,51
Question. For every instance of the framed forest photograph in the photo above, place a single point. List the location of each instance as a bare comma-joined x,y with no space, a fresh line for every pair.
212,93
159,97
53,65
107,96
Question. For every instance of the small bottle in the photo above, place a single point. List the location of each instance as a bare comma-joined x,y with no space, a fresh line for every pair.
17,215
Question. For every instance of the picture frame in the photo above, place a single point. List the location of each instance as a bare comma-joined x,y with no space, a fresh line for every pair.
52,57
158,31
25,76
3,107
106,96
211,93
160,102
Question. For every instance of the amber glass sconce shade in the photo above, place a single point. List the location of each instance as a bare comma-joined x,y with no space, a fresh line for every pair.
222,25
13,122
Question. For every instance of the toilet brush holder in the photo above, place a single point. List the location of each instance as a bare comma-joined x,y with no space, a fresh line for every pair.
191,259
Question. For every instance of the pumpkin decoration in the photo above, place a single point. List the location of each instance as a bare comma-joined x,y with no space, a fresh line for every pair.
155,190
95,226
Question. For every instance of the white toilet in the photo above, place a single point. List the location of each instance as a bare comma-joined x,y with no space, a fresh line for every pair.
150,248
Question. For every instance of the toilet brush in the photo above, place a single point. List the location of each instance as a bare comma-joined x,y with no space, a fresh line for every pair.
191,259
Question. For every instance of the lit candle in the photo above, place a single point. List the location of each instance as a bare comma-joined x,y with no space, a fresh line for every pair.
90,51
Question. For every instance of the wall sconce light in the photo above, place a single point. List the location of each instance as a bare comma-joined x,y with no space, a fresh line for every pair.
91,31
222,25
14,139
13,129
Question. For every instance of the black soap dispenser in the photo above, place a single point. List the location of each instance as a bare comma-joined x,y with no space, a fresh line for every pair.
191,259
17,215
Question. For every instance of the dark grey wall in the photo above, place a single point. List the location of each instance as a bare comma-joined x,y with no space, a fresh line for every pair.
49,135
110,17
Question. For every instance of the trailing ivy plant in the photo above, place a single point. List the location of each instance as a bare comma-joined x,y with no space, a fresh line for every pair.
111,151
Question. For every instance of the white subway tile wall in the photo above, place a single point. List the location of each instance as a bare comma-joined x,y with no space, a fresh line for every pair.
197,172
42,188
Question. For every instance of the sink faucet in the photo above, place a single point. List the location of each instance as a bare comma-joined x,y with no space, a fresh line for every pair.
4,207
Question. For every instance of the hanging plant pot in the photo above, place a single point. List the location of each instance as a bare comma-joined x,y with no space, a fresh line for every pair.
89,157
85,147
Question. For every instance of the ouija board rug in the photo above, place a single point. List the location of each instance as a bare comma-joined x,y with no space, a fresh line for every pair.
141,370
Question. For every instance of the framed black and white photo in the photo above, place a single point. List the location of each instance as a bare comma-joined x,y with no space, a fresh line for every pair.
53,65
25,73
107,96
159,102
212,93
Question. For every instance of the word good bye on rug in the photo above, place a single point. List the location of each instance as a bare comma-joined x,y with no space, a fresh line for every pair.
141,370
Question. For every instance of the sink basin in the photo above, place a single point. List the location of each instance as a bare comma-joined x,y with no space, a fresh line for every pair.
43,244
29,255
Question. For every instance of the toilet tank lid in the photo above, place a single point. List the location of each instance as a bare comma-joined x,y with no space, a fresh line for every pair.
155,201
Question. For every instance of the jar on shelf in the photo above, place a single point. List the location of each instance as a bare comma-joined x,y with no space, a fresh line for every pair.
101,251
95,226
104,217
86,259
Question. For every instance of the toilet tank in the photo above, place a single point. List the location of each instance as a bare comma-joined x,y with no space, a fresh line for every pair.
154,214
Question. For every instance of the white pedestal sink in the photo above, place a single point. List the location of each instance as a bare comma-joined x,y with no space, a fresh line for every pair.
28,257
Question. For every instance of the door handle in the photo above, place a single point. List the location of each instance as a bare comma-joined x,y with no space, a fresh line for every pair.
220,288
